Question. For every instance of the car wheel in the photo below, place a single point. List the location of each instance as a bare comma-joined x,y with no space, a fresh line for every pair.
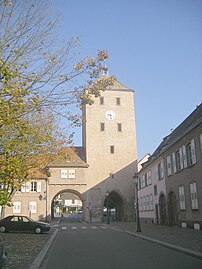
2,229
38,230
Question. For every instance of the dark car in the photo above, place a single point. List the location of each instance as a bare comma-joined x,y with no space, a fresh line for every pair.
3,256
22,224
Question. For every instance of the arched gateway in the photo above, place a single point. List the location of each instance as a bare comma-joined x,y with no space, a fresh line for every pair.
106,162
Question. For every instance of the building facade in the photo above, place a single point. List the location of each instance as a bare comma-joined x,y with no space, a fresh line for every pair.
101,169
176,177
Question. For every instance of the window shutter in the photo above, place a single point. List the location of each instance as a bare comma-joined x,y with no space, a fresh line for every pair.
23,187
174,163
184,154
27,187
201,143
193,152
38,187
181,158
169,165
162,170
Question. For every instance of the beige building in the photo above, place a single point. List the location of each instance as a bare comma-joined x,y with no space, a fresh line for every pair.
173,176
105,164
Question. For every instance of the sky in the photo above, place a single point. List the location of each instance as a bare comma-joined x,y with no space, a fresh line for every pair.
155,48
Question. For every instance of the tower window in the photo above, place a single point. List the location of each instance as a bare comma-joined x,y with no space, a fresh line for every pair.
102,126
119,127
101,100
118,101
112,149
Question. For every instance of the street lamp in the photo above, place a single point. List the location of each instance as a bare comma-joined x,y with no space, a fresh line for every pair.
137,204
107,200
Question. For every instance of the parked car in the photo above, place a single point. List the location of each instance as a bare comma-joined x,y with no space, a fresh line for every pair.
22,224
3,255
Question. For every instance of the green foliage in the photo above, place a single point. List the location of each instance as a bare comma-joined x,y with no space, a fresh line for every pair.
36,86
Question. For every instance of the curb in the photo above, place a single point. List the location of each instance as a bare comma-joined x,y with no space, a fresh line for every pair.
37,262
167,245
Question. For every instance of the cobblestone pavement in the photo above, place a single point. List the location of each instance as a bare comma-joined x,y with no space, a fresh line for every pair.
184,238
23,248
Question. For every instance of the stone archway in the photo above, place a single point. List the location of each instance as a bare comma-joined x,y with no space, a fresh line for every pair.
116,205
68,191
172,209
162,209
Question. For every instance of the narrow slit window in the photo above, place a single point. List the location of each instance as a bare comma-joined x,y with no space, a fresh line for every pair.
118,101
101,100
119,126
112,149
102,126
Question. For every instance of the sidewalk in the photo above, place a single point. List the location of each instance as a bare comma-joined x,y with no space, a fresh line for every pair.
185,240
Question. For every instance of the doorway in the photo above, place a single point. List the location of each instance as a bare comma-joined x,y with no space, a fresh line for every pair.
114,203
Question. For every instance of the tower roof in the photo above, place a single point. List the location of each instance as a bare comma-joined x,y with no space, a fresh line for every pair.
116,84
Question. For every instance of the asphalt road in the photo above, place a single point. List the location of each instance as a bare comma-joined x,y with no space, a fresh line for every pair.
91,246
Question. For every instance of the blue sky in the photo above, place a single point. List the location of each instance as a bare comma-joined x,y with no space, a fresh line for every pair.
155,48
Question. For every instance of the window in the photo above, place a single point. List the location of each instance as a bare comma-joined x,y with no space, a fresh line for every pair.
72,174
112,149
169,166
102,126
101,100
63,173
143,181
174,163
184,156
32,207
181,198
141,206
149,177
201,143
33,186
25,187
119,126
160,171
151,202
147,203
179,159
16,207
155,190
118,101
191,154
144,203
194,197
145,178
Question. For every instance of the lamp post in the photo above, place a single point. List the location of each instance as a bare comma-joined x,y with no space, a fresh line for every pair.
137,204
107,199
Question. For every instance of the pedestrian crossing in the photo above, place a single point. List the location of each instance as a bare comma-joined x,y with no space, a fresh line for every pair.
83,227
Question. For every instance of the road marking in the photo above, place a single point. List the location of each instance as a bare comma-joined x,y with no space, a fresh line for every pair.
74,227
93,227
64,228
103,227
83,227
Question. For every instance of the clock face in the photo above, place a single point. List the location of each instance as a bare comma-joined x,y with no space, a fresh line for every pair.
110,115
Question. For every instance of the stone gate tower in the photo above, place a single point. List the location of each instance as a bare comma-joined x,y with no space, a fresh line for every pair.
109,141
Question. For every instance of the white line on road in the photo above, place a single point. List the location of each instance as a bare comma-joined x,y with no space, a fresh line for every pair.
74,227
64,228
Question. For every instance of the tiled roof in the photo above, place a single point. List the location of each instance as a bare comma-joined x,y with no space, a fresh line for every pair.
69,157
190,123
